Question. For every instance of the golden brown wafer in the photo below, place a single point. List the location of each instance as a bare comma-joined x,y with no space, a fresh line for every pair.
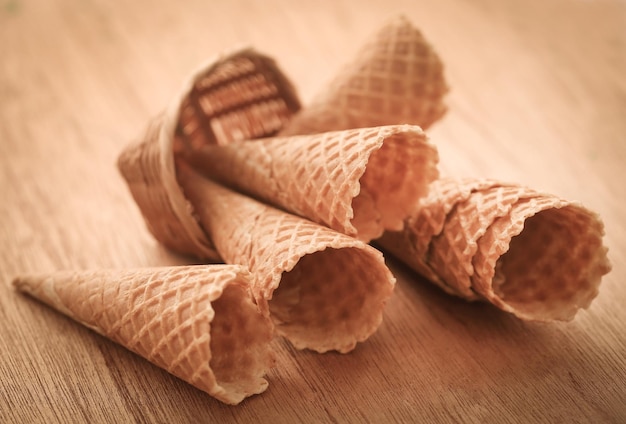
413,244
236,96
359,182
531,254
395,78
197,322
323,289
543,261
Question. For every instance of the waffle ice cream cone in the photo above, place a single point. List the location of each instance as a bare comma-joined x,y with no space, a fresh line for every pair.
197,322
359,182
412,244
543,261
532,254
324,290
395,78
237,96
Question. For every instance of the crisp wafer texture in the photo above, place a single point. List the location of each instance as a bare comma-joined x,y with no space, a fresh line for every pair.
323,289
148,169
412,244
237,96
543,261
451,251
359,182
197,322
531,254
395,78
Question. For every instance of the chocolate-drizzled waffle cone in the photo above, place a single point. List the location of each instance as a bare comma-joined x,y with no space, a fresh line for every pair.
359,182
532,254
323,289
197,322
238,96
395,78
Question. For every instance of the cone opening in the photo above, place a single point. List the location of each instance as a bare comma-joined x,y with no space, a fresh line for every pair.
331,299
242,97
240,337
553,267
397,176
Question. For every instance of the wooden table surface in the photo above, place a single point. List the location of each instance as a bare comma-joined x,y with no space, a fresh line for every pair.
538,96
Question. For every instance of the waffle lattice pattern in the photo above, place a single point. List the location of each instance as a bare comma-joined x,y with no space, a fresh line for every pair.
357,182
297,265
154,188
396,78
242,98
197,322
465,225
314,264
529,253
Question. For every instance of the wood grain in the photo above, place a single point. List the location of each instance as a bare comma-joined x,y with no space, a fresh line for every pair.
538,96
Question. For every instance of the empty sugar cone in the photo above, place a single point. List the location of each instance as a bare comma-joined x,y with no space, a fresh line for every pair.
543,261
412,244
148,168
395,78
197,322
312,263
451,251
237,96
324,290
359,182
531,254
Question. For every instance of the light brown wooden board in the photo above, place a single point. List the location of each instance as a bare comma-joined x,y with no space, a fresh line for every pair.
538,97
